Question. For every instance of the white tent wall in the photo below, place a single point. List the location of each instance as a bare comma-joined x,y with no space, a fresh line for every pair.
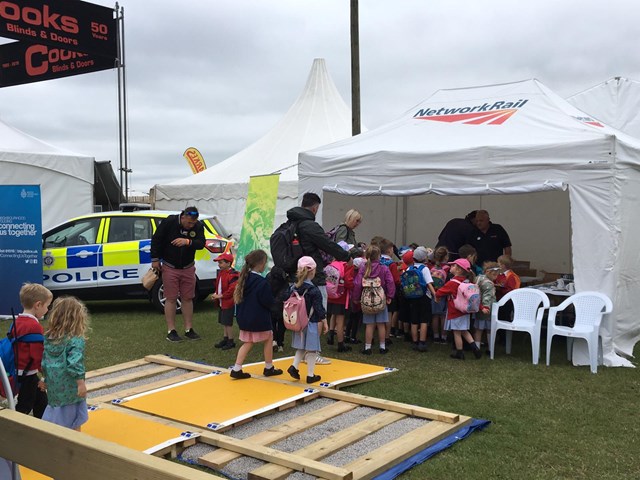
66,182
524,216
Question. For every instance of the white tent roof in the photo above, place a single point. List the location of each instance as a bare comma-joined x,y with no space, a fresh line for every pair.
318,116
511,138
65,178
615,102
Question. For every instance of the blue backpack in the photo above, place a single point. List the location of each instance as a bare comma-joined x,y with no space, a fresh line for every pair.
9,352
413,283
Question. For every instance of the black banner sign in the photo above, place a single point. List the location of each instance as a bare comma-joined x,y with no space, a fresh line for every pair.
23,62
69,24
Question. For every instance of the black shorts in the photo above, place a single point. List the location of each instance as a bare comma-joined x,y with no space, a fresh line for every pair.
335,309
225,317
418,310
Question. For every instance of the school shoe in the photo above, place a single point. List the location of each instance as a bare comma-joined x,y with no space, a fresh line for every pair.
173,336
271,372
343,348
221,343
229,345
384,351
294,372
330,337
313,378
239,374
191,334
366,351
458,355
476,351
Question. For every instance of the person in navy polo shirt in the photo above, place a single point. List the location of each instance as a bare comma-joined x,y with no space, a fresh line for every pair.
490,239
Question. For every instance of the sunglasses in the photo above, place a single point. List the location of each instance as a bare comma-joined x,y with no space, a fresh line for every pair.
192,214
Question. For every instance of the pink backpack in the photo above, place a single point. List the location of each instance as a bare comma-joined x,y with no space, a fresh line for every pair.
467,299
294,312
335,279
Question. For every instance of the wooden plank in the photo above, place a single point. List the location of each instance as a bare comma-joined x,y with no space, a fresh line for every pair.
219,458
132,377
412,410
271,455
65,453
116,368
143,388
329,445
184,364
380,460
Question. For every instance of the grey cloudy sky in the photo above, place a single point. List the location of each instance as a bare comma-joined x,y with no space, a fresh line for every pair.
218,74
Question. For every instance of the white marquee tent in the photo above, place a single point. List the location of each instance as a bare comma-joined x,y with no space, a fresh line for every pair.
510,139
319,116
65,178
615,102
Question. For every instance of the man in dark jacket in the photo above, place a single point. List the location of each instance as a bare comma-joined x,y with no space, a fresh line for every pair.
313,238
173,249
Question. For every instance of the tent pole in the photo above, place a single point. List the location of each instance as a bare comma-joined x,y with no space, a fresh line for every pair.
405,207
355,70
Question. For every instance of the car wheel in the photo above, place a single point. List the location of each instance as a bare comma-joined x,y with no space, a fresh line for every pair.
157,297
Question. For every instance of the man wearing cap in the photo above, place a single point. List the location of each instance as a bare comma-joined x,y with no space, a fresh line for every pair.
457,232
173,249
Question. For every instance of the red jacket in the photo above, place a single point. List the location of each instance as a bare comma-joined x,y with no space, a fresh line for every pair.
450,290
228,279
506,282
26,324
349,274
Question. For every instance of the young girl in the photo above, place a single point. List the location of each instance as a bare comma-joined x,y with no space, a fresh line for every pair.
338,305
386,258
439,307
488,293
63,363
458,321
253,298
307,341
374,269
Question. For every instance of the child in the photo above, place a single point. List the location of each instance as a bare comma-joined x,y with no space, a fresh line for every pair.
63,363
32,396
470,253
458,321
439,273
338,304
307,341
488,297
387,251
373,269
225,286
419,309
355,312
507,280
253,298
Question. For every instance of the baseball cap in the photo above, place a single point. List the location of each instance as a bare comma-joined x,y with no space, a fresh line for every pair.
306,262
407,257
462,263
227,257
420,254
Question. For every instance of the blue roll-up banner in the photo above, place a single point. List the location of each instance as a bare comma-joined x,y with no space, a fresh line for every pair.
20,242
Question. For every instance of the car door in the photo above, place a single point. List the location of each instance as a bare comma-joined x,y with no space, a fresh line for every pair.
70,255
126,251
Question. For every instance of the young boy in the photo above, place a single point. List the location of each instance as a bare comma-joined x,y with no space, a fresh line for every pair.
419,309
32,396
507,280
225,286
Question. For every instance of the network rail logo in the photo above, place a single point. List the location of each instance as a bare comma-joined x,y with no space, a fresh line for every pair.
486,114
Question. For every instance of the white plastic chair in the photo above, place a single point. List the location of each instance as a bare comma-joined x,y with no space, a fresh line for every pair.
589,308
528,308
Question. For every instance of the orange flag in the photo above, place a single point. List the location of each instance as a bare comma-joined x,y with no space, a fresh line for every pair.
195,160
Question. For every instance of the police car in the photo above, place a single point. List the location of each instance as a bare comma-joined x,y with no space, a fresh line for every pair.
103,256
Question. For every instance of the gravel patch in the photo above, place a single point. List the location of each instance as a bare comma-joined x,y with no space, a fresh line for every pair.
143,381
120,373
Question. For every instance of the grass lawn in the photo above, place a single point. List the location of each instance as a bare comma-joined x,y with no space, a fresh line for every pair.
557,422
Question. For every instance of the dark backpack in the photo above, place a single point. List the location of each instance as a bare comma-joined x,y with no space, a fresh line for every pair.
331,235
9,353
285,247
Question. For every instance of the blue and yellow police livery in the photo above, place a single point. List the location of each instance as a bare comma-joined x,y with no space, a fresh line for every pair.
103,256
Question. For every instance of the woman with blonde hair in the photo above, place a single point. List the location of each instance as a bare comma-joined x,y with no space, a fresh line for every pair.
344,231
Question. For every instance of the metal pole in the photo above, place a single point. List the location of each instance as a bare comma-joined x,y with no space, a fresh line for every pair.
127,170
355,69
118,67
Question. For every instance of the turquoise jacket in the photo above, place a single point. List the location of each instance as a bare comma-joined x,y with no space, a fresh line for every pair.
63,366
